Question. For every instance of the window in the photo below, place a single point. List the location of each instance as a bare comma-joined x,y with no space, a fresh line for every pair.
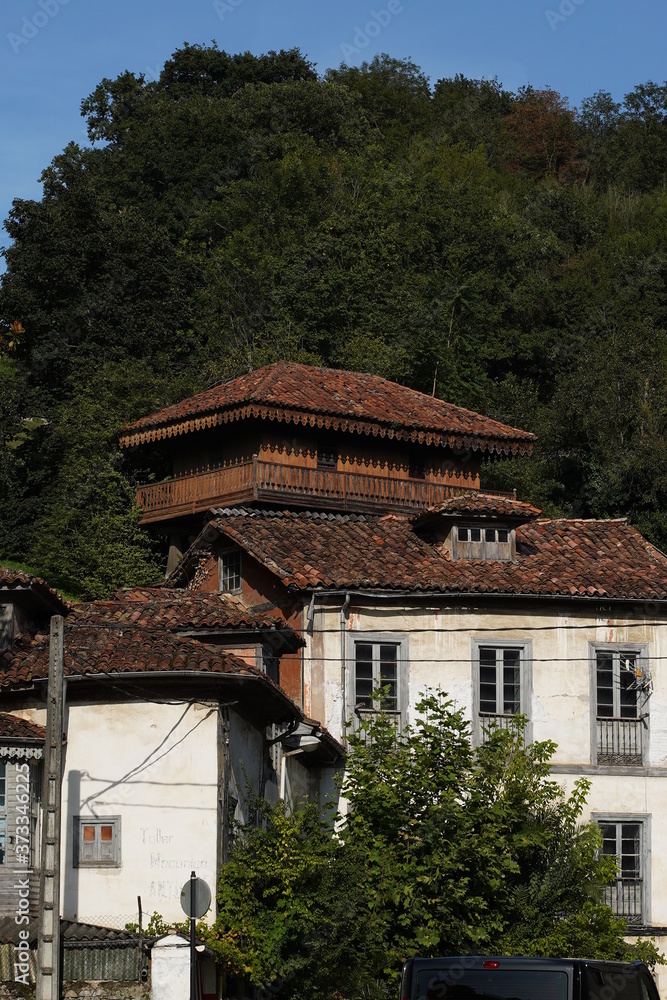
482,542
379,662
502,682
618,677
417,466
271,665
327,455
229,571
97,842
625,839
3,812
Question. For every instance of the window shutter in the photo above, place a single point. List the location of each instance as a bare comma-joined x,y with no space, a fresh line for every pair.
107,843
87,842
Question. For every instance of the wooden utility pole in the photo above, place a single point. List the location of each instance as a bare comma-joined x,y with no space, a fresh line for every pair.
48,942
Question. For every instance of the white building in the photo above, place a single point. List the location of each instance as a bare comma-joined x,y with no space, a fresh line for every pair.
564,621
168,738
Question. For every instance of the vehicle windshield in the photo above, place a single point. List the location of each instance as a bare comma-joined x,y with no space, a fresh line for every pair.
500,984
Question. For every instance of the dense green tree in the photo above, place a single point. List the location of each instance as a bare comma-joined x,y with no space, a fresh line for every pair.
444,849
395,96
499,249
472,112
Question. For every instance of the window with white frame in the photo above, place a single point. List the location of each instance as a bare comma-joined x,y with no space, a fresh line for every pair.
378,676
502,683
229,571
625,839
620,722
97,842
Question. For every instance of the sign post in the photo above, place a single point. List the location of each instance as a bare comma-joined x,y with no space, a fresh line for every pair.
195,901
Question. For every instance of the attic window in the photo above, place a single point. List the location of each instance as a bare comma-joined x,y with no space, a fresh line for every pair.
482,542
229,571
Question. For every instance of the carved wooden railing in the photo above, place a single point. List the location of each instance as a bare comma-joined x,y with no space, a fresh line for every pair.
260,480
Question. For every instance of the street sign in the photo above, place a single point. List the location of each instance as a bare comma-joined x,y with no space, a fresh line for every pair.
199,893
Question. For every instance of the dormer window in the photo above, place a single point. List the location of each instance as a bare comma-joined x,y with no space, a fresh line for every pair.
482,542
229,571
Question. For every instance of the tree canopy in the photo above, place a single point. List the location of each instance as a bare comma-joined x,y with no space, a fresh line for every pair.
443,849
506,247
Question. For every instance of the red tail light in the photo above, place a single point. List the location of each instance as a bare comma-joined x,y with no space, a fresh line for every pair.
491,965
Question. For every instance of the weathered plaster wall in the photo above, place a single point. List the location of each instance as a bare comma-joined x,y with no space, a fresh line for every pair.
440,655
245,762
155,766
560,704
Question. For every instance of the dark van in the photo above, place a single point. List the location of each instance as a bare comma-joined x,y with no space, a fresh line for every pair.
494,977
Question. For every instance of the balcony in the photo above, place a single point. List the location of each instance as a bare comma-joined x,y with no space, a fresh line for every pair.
290,485
625,897
488,722
619,741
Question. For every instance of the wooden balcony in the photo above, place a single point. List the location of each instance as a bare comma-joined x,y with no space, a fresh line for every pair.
298,486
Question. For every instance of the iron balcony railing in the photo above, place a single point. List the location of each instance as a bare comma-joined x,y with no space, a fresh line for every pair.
620,741
489,721
626,898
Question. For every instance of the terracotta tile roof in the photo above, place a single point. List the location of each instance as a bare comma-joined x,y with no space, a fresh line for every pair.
572,558
14,728
121,650
18,582
128,649
329,397
476,504
177,610
21,644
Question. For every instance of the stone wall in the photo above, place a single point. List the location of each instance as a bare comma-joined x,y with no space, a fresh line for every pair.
81,991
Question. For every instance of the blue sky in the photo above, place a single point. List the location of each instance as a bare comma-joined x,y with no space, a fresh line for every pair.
54,52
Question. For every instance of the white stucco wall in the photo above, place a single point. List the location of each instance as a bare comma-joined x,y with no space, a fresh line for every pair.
155,766
561,703
170,968
440,655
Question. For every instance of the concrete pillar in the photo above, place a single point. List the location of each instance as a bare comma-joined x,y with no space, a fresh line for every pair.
170,968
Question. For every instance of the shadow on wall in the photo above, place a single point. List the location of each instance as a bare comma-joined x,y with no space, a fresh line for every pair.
70,892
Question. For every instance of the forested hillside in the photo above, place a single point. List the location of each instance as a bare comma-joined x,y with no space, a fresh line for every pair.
506,249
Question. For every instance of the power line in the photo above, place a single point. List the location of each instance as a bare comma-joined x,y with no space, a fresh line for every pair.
163,630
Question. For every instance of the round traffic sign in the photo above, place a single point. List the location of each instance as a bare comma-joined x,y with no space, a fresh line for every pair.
202,898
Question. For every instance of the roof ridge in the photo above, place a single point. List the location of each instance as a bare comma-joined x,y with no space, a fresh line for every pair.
318,515
586,520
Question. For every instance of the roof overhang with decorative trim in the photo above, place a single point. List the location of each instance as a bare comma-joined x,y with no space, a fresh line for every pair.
520,444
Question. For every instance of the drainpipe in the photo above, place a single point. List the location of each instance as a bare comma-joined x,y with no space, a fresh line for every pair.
343,661
310,617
